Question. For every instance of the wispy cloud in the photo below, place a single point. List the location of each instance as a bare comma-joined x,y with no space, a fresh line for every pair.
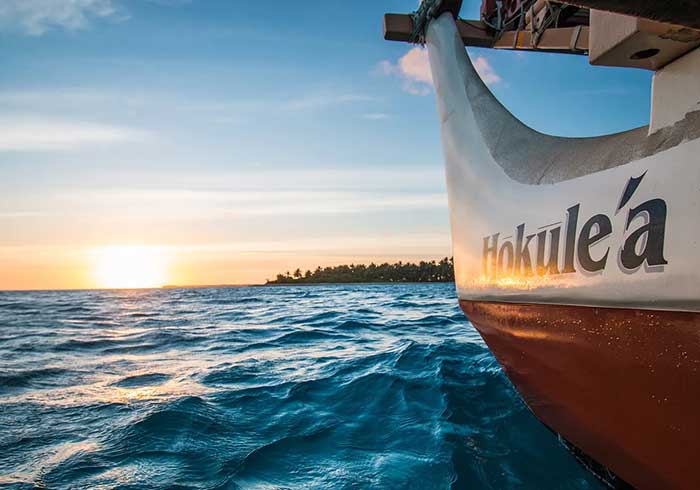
375,116
64,99
324,101
35,17
346,203
486,71
240,203
352,177
21,214
171,3
39,134
413,69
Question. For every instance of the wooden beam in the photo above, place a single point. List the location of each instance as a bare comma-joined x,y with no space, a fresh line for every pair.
399,27
571,40
475,33
682,12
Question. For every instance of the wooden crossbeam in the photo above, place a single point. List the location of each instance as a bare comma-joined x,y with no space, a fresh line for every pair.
572,40
399,27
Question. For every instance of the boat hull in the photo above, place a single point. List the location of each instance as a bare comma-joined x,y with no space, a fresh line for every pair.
608,221
619,384
577,260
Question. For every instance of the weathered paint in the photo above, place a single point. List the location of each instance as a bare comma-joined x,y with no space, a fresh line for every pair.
676,91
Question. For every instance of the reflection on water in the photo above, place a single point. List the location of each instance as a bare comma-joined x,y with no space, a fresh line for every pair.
362,386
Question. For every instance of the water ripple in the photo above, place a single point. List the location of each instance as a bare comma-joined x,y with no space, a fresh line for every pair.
328,387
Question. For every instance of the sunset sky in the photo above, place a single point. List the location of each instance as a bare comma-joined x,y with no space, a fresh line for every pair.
145,142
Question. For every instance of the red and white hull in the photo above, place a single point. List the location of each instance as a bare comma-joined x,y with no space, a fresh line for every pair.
578,261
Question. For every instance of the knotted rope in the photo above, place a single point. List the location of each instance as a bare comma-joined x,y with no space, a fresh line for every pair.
427,11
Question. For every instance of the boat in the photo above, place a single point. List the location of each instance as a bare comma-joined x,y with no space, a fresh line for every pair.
578,259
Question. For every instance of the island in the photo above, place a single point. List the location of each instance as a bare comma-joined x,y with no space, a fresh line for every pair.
433,271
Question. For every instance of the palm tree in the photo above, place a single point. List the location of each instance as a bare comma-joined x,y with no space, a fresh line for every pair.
433,271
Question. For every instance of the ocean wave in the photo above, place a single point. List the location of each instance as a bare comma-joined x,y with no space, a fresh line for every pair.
142,380
328,387
28,377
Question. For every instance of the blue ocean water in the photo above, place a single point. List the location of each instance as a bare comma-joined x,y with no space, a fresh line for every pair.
323,387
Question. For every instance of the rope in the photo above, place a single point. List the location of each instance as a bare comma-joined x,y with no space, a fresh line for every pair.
421,18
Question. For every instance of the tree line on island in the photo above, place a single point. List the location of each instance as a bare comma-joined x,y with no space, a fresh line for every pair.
433,271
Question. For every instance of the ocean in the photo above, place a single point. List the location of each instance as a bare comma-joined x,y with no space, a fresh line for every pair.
295,387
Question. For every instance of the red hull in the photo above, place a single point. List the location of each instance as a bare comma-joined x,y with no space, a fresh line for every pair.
622,385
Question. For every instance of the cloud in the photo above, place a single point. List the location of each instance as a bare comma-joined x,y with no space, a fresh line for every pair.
171,3
246,203
486,71
36,134
62,101
22,214
416,66
375,116
35,17
323,101
320,203
413,69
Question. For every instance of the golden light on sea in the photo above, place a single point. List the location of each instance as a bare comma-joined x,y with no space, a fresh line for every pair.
130,267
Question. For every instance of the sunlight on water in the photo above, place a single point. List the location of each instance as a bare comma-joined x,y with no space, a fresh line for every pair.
329,387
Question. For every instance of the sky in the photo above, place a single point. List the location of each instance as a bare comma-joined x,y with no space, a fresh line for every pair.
221,142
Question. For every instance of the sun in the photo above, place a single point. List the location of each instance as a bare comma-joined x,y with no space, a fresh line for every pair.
130,267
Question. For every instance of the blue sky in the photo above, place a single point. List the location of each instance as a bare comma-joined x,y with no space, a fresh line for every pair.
243,138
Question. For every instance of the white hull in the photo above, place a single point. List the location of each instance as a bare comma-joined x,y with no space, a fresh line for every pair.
484,201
